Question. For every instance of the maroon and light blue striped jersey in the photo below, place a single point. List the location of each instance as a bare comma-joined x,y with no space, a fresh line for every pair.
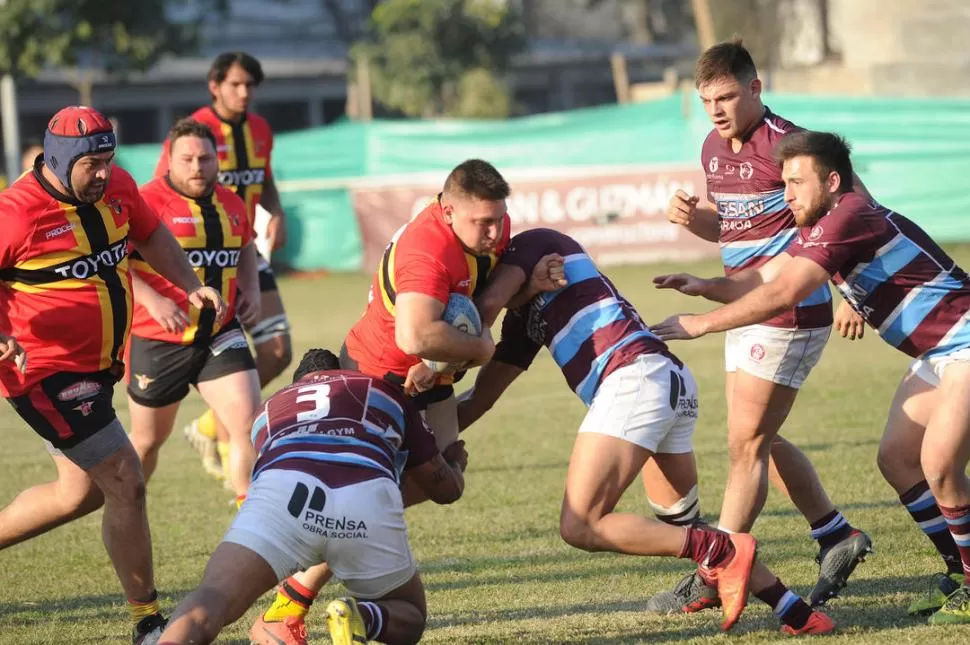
893,274
341,427
589,328
747,190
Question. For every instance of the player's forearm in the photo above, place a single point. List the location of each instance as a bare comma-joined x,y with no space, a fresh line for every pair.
247,275
164,254
493,379
726,289
755,307
439,341
141,290
705,224
270,198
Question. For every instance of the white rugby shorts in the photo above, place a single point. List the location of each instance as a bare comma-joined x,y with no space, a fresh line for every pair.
782,356
294,521
931,369
650,402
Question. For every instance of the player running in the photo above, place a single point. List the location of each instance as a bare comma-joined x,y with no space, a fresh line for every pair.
767,363
174,344
332,450
449,247
244,143
67,297
914,296
643,406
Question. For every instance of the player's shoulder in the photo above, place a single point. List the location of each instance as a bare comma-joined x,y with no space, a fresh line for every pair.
710,144
258,125
426,234
24,196
121,182
228,197
207,115
775,127
159,195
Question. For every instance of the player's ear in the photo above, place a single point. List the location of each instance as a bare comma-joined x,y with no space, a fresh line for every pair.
833,182
755,87
448,211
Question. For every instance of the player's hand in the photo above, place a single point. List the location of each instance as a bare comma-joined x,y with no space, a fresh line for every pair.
487,349
549,274
456,454
848,323
681,208
168,314
10,350
206,296
680,327
420,378
276,232
685,283
248,308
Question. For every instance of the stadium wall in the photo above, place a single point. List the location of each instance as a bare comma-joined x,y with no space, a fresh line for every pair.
603,174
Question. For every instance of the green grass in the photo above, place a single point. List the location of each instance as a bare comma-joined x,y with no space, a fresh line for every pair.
494,566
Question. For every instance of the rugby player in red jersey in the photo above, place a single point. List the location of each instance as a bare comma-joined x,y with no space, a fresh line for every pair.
765,364
333,447
449,247
174,345
66,294
244,144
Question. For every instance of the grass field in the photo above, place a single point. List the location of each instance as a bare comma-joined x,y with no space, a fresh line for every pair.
494,566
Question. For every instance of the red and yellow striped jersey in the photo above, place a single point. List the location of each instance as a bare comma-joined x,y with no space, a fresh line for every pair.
424,256
244,150
213,231
65,290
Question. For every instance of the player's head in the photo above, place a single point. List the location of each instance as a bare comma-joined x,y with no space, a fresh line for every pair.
473,203
728,84
316,360
29,155
193,166
232,77
816,168
79,148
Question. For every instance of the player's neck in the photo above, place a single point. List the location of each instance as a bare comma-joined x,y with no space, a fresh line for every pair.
748,130
226,115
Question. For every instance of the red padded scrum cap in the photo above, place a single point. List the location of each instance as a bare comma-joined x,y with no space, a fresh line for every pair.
79,121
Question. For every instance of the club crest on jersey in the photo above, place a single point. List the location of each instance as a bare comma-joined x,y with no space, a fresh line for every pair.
712,164
143,381
85,408
115,204
815,233
746,171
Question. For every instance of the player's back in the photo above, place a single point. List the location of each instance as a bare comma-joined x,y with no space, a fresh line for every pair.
589,327
756,222
342,427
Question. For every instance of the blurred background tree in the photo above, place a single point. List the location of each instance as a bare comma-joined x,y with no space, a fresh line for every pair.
442,58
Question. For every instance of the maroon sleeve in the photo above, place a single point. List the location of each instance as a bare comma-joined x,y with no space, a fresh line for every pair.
835,241
516,348
418,439
524,255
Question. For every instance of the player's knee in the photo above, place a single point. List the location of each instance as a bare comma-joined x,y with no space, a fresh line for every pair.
748,447
684,512
127,484
576,532
274,356
941,471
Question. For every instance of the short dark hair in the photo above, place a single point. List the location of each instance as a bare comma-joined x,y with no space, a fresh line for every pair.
479,179
190,128
316,360
729,58
829,152
220,66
